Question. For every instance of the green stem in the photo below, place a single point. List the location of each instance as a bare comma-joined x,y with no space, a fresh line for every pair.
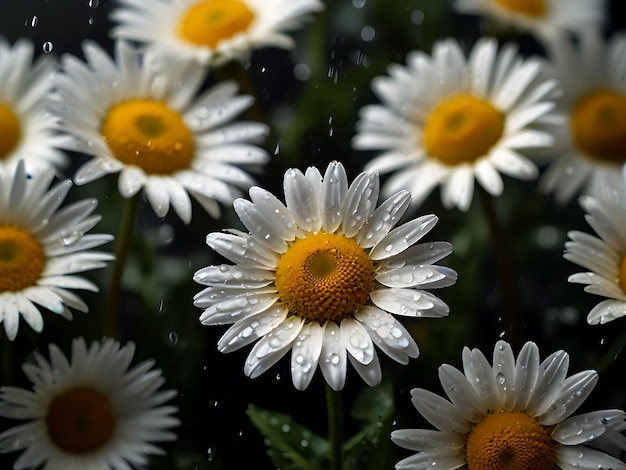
124,238
334,405
502,249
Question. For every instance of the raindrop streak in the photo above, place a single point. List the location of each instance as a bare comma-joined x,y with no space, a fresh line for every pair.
47,47
94,3
34,21
173,337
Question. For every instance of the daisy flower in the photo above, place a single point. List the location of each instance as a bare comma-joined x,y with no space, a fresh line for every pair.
447,120
26,129
212,31
89,412
139,118
42,248
321,276
542,18
605,256
591,151
514,415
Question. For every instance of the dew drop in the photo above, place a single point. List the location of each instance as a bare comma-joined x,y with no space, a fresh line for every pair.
500,378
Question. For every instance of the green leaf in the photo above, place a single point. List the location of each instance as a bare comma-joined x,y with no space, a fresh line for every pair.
291,446
370,448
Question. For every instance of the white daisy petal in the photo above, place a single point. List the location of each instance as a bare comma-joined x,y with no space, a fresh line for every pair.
400,238
334,189
307,263
585,458
98,375
196,145
499,93
50,250
585,427
583,164
272,346
305,354
29,131
265,25
333,357
495,407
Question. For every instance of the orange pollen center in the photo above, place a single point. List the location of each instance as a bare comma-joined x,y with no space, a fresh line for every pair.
534,8
211,21
324,276
509,441
462,129
80,420
10,130
149,135
22,259
598,124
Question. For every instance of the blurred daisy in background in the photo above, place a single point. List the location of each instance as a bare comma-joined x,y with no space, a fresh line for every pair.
322,276
42,248
605,257
446,121
592,149
89,412
542,18
26,129
512,415
212,31
141,118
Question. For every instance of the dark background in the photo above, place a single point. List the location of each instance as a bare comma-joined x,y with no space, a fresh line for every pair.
312,123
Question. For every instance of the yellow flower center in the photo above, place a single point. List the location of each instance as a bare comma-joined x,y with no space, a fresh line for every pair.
80,420
22,259
10,130
462,129
149,135
211,21
534,8
324,276
509,441
598,124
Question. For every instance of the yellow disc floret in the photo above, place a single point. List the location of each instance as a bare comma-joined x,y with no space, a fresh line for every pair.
209,22
509,441
22,259
598,124
10,130
149,135
324,276
80,420
534,8
462,129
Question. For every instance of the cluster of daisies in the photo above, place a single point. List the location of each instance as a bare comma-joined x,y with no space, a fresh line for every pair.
325,274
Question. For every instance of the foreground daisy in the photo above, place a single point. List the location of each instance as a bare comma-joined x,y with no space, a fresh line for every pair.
212,31
592,148
447,120
543,18
321,276
26,129
139,117
604,257
91,412
514,415
42,248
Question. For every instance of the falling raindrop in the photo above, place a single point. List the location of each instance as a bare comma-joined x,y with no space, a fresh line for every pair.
47,47
173,337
